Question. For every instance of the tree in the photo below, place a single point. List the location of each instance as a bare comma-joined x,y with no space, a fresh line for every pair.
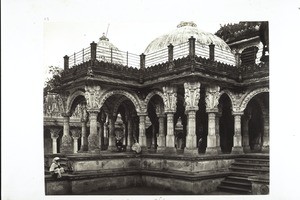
54,81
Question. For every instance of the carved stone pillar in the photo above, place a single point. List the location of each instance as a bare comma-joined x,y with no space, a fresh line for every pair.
93,139
66,141
75,145
237,138
54,136
142,131
212,101
130,134
265,143
111,138
75,135
161,140
100,133
245,131
84,139
105,134
170,100
191,97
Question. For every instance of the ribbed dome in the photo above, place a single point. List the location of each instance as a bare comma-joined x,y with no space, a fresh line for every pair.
104,49
182,34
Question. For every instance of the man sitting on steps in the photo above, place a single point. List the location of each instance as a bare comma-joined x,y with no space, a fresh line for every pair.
55,169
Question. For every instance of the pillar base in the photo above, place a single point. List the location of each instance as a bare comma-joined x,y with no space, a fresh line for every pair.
191,151
265,149
66,145
112,148
160,149
94,151
237,150
213,150
170,150
128,148
247,149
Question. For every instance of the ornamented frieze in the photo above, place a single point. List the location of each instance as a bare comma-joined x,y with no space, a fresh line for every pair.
170,98
191,95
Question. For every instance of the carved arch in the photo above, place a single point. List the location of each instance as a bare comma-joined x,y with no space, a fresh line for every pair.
118,103
230,95
72,97
132,97
250,95
151,94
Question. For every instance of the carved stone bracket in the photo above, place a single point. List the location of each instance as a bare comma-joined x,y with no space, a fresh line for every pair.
191,95
75,132
170,98
92,95
212,98
54,132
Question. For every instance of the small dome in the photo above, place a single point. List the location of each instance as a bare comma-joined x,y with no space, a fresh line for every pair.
186,30
106,50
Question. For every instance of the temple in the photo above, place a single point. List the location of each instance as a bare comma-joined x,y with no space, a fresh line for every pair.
196,102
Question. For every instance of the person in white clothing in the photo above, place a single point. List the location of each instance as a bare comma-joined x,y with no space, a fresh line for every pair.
55,169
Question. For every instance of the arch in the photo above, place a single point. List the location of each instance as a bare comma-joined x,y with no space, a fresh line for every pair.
250,95
133,97
118,103
151,94
230,95
72,97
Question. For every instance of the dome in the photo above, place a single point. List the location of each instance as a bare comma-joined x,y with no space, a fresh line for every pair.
106,51
181,35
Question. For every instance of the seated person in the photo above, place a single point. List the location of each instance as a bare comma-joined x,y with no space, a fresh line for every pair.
55,169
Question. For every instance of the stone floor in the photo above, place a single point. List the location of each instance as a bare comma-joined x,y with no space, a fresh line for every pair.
146,191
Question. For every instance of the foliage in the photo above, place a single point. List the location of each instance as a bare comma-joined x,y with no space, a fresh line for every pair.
54,81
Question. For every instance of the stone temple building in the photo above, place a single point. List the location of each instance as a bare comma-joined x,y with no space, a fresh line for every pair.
196,102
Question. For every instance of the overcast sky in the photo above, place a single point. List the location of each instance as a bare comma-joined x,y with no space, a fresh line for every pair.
133,24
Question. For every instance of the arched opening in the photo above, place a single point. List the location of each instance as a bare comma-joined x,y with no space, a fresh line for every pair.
256,123
155,109
226,124
77,111
202,122
180,123
121,123
47,141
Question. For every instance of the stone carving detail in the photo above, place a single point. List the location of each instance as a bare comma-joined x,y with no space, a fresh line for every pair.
52,107
63,99
92,96
212,97
191,95
77,112
133,98
54,132
170,98
250,95
76,132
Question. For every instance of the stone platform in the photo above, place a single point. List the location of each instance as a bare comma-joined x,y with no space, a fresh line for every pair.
104,172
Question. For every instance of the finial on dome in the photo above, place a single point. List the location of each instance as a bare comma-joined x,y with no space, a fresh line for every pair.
103,37
182,23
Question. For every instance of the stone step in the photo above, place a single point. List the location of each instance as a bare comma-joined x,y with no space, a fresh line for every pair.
248,170
235,190
238,178
252,160
251,165
239,184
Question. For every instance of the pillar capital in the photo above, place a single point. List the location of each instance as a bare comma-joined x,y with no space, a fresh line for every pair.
54,132
75,132
170,98
92,95
93,111
191,95
212,97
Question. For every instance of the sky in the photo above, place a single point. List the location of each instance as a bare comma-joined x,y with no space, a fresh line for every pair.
38,33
